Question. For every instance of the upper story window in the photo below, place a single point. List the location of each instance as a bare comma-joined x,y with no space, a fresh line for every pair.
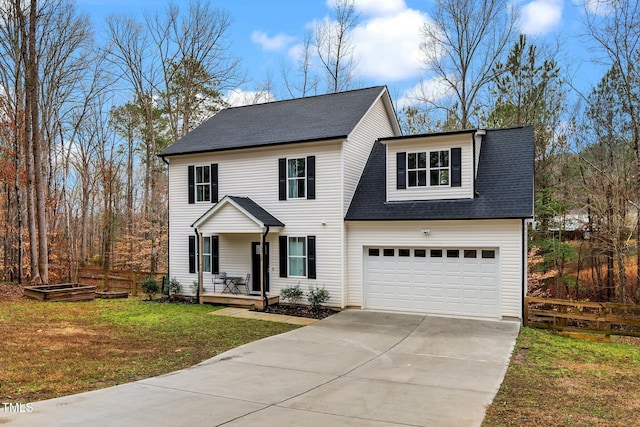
417,169
203,184
435,172
439,167
296,178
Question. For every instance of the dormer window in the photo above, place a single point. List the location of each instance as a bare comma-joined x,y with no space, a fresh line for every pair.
439,167
421,174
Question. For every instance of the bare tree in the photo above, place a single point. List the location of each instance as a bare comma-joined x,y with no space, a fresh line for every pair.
131,52
461,47
303,82
335,48
39,49
615,29
193,49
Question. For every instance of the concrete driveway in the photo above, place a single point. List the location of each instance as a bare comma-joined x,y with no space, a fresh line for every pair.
356,368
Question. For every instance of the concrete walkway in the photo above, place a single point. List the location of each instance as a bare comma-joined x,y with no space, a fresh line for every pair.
355,368
245,313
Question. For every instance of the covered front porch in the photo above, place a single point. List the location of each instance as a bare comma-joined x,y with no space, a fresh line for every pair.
256,302
233,240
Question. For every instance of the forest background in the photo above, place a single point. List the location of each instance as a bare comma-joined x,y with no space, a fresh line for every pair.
82,119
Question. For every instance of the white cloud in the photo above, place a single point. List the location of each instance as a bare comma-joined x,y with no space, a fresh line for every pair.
388,47
239,97
430,90
598,7
540,17
379,7
277,42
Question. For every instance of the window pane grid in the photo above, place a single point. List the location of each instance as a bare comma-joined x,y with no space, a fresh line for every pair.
297,256
206,254
203,183
296,178
439,167
417,169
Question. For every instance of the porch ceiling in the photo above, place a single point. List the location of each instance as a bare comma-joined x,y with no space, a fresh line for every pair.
235,214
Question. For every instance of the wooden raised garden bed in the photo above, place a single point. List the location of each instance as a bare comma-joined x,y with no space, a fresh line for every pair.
62,292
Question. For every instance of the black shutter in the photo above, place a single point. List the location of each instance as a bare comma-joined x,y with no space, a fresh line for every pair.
311,257
456,173
282,179
401,169
192,254
215,254
214,183
311,177
192,184
282,240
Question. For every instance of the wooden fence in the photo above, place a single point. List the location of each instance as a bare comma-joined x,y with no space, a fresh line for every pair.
117,280
576,316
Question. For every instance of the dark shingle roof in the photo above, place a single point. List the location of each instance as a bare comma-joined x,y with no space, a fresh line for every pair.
296,120
257,211
504,185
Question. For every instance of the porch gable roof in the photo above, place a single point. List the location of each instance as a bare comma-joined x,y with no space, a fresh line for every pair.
245,206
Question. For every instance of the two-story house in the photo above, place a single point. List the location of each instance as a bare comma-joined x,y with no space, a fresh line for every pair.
325,191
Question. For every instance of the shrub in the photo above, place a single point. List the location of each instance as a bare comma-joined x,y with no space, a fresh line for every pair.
150,286
292,294
195,287
317,296
173,287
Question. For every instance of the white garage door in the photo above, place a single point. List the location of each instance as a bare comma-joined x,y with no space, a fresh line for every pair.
453,281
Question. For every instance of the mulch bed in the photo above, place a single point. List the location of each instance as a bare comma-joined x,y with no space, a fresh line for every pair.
300,311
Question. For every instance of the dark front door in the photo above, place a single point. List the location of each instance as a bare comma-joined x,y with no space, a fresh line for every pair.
256,272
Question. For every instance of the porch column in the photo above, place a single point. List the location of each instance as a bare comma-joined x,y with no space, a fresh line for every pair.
200,265
263,268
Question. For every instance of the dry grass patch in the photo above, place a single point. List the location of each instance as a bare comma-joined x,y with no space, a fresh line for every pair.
54,349
560,381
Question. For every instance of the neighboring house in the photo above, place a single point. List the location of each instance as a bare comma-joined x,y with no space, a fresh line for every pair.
325,191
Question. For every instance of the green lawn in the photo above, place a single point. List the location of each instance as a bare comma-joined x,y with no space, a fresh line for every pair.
55,349
555,380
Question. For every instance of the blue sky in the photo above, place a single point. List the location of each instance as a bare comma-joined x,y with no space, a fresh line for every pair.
264,34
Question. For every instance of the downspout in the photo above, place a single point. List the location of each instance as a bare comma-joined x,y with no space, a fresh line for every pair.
265,272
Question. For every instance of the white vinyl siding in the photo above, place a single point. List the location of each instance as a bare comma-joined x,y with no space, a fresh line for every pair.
503,235
254,173
376,124
430,145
